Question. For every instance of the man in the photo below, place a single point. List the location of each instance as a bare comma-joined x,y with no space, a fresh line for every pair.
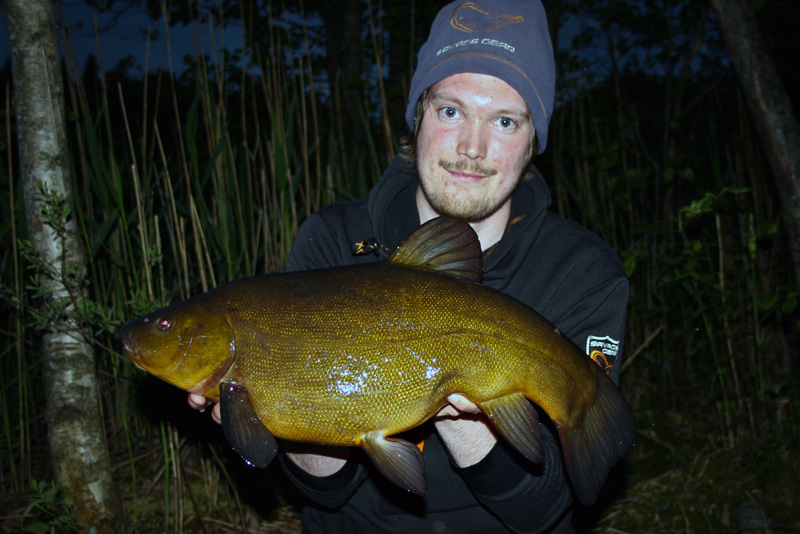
479,106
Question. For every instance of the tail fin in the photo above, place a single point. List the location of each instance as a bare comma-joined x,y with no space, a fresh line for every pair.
606,434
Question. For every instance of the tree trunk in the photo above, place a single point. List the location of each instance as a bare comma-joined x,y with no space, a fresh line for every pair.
75,431
770,108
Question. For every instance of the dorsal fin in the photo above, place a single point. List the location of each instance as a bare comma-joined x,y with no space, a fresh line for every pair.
446,245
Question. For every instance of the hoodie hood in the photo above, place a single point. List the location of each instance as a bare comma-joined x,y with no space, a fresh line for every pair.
529,206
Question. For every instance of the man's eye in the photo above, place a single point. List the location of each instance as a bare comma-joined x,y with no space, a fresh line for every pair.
506,123
449,112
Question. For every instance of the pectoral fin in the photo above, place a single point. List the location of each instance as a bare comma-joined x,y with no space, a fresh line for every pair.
517,421
400,461
245,432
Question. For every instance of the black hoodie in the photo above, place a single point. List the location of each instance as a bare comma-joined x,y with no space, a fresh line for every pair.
553,265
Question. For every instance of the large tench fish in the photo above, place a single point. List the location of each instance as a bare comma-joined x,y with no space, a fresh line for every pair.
352,355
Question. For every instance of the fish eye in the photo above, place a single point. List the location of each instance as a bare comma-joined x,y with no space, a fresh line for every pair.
164,324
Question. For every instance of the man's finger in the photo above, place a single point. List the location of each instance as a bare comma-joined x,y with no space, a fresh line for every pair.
198,402
462,404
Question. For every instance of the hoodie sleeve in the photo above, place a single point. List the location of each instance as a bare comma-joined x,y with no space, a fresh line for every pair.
576,282
589,305
329,491
312,246
318,244
526,498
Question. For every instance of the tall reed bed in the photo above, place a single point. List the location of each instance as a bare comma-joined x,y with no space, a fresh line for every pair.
184,181
710,361
692,213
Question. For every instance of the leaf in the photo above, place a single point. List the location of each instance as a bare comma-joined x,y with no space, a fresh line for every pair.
790,304
37,528
767,303
629,265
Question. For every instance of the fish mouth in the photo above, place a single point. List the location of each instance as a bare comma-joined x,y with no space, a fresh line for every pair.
131,350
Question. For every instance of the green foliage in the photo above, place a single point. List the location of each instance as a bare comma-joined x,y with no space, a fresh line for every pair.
43,309
55,208
678,185
179,184
58,517
706,204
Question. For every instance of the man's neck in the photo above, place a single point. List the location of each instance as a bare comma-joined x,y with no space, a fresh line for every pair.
490,230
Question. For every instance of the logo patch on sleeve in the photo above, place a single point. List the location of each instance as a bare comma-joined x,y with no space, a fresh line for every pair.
603,350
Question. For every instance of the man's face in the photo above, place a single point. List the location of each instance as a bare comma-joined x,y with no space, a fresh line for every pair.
473,145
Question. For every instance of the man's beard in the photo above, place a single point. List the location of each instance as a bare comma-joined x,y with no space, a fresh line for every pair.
470,206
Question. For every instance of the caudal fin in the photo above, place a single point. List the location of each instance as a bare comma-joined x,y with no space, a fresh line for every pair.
606,434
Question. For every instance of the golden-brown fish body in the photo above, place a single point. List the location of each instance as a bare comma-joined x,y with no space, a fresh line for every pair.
334,355
351,355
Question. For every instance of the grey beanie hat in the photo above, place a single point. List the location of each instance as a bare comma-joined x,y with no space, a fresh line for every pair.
507,39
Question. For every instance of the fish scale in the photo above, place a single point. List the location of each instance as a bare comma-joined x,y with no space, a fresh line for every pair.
351,356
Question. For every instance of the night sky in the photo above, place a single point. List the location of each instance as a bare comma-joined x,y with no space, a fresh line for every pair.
125,36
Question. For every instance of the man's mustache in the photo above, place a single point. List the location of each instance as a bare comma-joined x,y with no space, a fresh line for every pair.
472,167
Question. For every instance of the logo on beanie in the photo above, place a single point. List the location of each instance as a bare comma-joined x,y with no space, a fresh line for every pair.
470,18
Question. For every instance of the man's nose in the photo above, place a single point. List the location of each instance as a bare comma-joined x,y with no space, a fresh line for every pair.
472,141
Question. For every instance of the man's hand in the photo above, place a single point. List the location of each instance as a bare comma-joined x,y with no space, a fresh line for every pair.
318,460
198,402
465,432
315,459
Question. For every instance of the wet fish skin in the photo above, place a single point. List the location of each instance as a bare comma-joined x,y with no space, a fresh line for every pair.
352,355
